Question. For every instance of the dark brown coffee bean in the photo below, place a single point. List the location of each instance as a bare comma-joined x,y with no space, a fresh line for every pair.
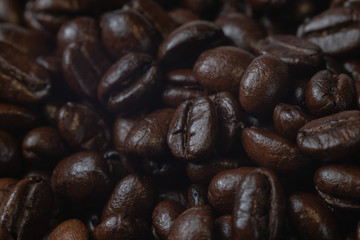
186,43
16,118
44,174
10,11
120,32
26,210
328,93
147,137
195,223
43,147
130,84
299,54
133,195
121,128
331,138
311,217
82,128
223,228
23,80
193,129
259,207
90,187
10,155
298,92
352,66
222,188
335,30
221,68
197,195
178,195
339,185
263,85
288,119
72,229
83,65
5,186
164,215
182,15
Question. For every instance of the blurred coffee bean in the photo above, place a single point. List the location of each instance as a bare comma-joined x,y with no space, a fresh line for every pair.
72,229
16,118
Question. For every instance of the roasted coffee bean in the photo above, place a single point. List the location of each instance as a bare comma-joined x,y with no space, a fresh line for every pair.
164,215
331,138
131,83
339,185
72,229
43,147
178,195
22,79
197,195
241,29
121,128
10,11
288,119
124,31
352,66
194,223
311,217
83,65
44,174
270,150
299,54
182,46
10,155
222,188
259,207
328,93
335,30
193,129
82,128
26,210
78,29
82,179
182,15
16,118
263,85
5,186
223,228
221,68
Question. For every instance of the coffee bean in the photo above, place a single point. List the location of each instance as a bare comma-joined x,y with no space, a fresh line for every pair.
72,229
121,128
5,186
16,118
352,66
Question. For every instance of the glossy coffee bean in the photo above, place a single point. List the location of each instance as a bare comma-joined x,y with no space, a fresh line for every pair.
10,155
263,85
26,210
268,149
193,129
288,119
43,147
147,137
194,223
164,215
328,93
339,185
223,228
10,11
259,207
221,68
23,81
182,15
72,229
222,188
131,83
16,118
311,217
83,65
120,33
90,187
5,186
331,138
82,128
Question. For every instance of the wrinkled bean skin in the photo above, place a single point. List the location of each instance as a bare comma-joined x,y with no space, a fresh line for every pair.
16,118
221,69
321,225
263,85
26,210
133,80
10,156
331,138
259,207
193,129
327,93
223,228
72,229
194,223
339,185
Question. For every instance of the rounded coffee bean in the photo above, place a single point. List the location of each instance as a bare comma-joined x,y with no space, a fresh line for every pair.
82,128
43,147
339,185
221,68
311,217
193,129
10,155
131,83
263,85
331,138
16,118
223,228
328,93
90,187
72,229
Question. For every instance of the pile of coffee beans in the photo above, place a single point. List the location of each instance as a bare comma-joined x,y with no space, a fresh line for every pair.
179,119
